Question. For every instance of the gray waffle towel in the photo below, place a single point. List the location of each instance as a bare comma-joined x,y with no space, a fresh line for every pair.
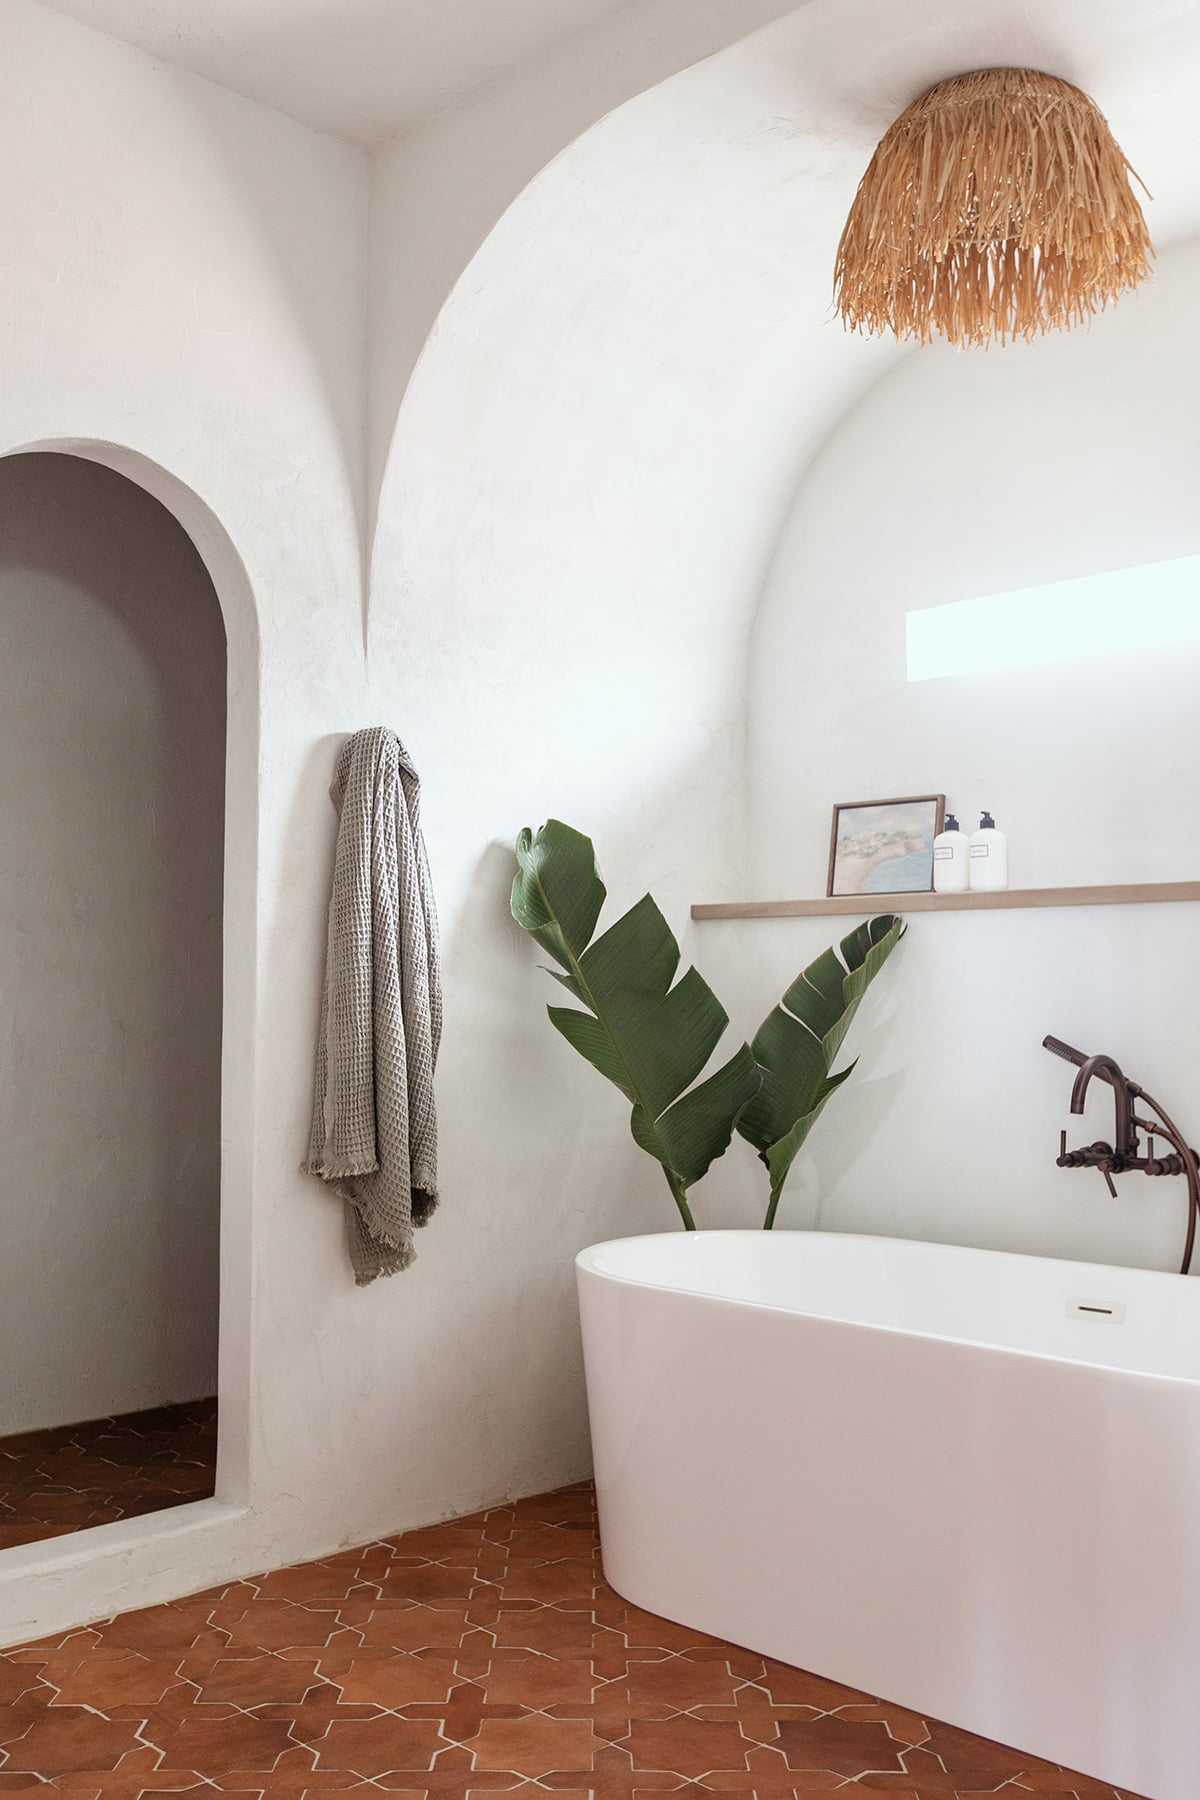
374,1125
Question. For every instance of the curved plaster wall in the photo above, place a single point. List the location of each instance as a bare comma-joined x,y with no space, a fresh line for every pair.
590,469
191,287
164,312
189,304
589,472
956,476
438,190
112,722
587,478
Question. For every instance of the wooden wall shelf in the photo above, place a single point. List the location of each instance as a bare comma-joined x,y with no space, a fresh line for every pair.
1146,893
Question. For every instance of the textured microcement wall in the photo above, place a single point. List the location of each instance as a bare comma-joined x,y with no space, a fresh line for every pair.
183,298
1071,456
548,584
112,732
483,153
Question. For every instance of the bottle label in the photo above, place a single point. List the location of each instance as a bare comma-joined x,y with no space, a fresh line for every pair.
981,850
943,852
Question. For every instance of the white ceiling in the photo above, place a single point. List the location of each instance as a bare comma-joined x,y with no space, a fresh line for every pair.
362,69
366,69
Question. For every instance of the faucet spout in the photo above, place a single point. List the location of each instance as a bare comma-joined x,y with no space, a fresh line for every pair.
1122,1156
1125,1138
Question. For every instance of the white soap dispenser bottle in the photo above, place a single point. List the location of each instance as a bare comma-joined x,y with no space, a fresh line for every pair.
951,859
989,857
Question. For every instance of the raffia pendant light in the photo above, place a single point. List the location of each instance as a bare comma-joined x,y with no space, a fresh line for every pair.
997,205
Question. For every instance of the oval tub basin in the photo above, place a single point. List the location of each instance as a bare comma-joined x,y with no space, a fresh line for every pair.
965,1481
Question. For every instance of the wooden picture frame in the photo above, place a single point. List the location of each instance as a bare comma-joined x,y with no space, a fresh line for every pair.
905,828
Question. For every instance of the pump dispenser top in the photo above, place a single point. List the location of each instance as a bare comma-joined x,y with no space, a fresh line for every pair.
989,857
951,859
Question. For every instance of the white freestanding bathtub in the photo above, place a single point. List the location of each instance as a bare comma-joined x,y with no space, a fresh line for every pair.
964,1481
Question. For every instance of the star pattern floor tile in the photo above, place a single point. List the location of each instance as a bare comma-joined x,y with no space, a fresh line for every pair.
53,1482
481,1657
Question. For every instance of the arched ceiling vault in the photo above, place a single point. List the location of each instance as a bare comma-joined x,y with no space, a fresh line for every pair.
651,317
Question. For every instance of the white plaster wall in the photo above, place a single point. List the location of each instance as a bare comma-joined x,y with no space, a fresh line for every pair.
438,189
187,302
589,470
183,296
834,71
961,475
585,485
112,734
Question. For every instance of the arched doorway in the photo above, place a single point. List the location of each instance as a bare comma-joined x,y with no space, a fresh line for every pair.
112,721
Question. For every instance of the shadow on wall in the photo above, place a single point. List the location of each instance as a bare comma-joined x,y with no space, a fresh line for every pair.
562,1134
536,1161
296,953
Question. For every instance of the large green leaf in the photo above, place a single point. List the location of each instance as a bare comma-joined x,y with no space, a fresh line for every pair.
689,1136
650,1038
558,893
796,1044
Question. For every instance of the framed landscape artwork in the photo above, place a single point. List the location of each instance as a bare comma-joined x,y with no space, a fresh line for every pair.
884,846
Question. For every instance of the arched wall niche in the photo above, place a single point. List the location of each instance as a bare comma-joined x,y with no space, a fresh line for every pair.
235,597
618,400
213,542
957,477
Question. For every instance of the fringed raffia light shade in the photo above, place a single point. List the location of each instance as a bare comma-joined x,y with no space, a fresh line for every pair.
997,205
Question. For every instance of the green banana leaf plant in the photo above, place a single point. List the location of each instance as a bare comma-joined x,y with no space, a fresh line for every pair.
652,1039
648,1037
797,1043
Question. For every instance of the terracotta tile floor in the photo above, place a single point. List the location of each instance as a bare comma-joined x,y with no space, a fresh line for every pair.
481,1657
52,1482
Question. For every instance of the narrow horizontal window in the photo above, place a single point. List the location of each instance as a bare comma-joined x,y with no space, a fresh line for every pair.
1097,615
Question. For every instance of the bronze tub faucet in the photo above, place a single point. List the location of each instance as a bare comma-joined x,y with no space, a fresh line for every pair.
1124,1153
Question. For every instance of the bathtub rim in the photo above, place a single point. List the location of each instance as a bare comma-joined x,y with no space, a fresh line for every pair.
585,1266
